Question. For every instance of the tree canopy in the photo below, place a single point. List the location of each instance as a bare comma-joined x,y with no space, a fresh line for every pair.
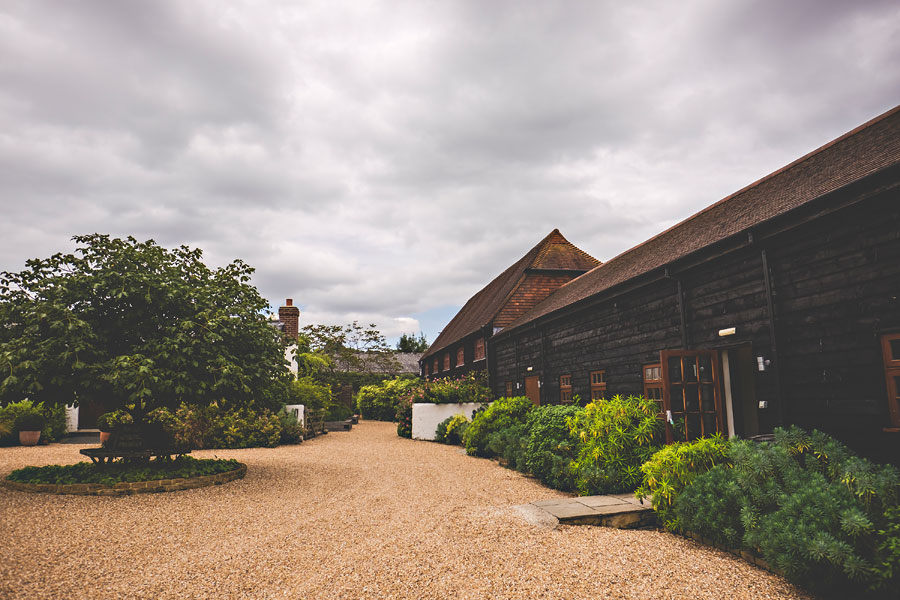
411,343
349,348
136,326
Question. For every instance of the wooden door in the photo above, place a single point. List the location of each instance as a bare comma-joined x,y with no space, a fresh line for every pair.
692,394
533,389
87,414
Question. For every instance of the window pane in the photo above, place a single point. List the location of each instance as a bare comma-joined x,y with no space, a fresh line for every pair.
706,372
677,391
895,349
691,398
690,368
707,397
692,421
675,369
709,423
897,386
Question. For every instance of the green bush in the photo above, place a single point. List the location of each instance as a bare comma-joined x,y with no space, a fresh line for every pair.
404,417
468,388
210,427
379,402
509,445
671,469
56,428
291,428
615,437
110,420
182,466
451,430
31,420
812,508
550,447
310,393
53,429
500,414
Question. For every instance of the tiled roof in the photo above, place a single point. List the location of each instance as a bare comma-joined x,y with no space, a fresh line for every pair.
554,253
861,152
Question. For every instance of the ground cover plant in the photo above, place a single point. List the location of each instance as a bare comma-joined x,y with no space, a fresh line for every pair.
825,517
154,470
615,437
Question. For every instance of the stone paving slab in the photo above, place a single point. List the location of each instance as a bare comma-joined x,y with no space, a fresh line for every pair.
621,511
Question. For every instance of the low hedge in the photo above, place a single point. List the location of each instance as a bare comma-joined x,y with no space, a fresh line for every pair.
180,467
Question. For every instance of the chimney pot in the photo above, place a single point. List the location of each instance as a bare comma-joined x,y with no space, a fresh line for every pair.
290,302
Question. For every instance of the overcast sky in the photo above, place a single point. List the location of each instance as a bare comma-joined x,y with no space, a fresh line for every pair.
383,161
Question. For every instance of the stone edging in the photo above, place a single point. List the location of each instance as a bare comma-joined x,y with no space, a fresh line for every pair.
127,488
751,557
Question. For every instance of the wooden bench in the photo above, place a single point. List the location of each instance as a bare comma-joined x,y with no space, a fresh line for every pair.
102,456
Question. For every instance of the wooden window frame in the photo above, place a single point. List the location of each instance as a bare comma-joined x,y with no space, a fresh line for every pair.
509,389
446,361
436,369
565,389
891,372
715,382
654,384
598,385
461,356
479,349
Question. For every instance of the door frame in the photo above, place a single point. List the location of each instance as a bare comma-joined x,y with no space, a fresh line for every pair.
716,382
537,380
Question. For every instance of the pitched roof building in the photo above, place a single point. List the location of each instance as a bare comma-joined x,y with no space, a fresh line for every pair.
461,346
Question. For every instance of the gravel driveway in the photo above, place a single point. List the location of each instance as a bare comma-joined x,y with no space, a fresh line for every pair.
362,514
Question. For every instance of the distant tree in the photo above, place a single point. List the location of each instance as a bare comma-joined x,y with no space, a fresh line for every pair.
411,343
134,326
352,348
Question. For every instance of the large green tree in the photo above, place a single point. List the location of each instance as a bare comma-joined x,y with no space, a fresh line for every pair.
136,326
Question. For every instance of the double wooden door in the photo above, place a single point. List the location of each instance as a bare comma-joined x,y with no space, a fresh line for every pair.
692,394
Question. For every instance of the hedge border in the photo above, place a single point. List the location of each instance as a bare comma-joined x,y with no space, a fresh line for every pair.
128,488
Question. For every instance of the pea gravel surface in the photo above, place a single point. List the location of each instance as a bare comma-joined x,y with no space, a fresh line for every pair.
359,514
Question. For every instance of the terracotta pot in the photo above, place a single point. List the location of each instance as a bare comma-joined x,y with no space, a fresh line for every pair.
104,435
29,438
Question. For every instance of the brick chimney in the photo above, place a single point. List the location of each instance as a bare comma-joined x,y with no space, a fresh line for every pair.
290,316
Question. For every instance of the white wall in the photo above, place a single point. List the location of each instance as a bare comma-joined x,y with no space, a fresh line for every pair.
299,411
426,417
71,419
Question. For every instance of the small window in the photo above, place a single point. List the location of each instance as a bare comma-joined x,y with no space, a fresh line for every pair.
509,389
460,356
428,368
479,349
890,346
447,361
434,368
653,384
565,389
598,385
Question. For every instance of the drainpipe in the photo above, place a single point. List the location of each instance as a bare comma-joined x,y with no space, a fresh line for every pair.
770,307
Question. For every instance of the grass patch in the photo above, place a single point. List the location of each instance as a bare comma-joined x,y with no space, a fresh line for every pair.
154,470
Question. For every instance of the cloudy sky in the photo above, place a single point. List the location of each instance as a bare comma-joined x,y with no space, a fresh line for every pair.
382,161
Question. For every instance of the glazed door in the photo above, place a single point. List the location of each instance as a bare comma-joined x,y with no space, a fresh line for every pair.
533,389
692,396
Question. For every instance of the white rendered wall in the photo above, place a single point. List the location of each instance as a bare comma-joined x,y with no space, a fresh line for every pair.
299,411
426,417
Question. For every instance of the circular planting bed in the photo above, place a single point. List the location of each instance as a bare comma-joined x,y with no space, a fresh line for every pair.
117,479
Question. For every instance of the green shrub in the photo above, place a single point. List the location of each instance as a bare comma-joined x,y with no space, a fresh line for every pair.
110,420
672,468
56,428
182,466
500,414
615,437
509,445
812,508
9,433
379,402
451,430
210,427
550,447
31,420
291,428
468,388
404,417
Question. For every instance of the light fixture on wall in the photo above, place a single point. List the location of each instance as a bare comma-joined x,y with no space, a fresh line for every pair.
727,332
529,369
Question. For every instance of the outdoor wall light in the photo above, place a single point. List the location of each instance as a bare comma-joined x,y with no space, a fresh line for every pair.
530,369
729,331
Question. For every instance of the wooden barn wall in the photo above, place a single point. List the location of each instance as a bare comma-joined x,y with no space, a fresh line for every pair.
835,283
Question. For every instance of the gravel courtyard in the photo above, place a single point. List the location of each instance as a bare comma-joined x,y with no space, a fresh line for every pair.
362,514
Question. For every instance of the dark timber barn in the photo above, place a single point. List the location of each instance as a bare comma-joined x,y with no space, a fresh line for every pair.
776,305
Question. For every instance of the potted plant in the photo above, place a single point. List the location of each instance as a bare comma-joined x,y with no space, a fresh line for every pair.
29,425
108,421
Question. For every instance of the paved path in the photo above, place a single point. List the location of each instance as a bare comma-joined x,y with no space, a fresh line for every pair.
361,514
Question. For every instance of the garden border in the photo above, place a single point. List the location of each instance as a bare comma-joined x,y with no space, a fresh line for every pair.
127,488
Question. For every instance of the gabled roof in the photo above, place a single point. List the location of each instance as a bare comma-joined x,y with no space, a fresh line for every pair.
553,253
867,149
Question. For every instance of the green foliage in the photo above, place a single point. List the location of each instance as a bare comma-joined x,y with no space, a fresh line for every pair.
615,437
134,326
550,447
352,348
509,445
211,427
502,413
404,417
291,429
182,466
671,469
110,420
338,412
310,393
451,430
411,343
812,508
31,420
468,388
380,402
53,429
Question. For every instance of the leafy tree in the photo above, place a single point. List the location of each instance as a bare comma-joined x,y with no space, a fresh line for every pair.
136,326
352,348
411,343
